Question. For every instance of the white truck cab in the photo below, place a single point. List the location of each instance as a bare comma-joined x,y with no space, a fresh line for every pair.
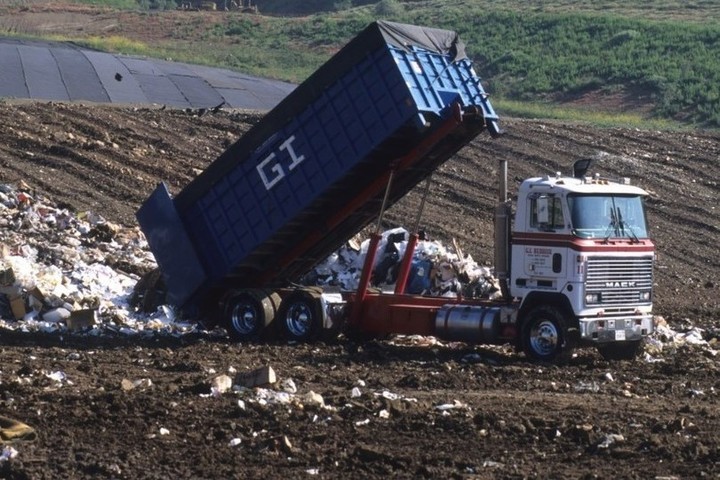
581,245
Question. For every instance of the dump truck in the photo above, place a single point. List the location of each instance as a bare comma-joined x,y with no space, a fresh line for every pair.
367,127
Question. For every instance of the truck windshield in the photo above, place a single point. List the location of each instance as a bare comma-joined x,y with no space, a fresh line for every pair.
608,216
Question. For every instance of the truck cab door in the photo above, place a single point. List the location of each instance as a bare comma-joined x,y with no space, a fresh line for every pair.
539,252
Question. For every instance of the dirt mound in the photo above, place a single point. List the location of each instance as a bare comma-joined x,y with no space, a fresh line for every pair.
407,408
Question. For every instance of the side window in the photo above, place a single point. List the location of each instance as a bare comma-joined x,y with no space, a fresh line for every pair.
546,212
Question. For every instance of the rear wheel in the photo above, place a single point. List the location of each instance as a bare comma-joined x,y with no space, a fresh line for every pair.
300,317
620,350
545,335
247,313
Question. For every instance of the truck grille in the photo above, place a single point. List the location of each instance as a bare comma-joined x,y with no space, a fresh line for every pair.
619,281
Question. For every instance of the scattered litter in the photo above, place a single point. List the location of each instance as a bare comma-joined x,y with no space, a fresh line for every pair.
164,431
265,396
609,440
12,431
587,387
57,376
128,385
288,385
313,398
8,453
220,385
387,395
235,442
450,406
262,376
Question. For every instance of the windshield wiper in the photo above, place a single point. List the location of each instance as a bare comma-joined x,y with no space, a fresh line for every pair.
623,224
613,227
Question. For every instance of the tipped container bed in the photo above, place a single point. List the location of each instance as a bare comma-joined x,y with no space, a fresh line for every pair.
313,171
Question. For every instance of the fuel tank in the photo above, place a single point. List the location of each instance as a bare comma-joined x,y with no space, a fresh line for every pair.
468,323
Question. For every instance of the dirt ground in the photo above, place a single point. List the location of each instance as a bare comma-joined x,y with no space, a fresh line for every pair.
127,408
434,410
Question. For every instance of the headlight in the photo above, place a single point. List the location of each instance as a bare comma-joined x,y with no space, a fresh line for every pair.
592,298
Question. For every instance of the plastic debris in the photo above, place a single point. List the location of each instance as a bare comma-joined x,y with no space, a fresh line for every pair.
8,453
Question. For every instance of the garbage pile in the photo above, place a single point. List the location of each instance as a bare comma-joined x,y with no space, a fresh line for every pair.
62,270
434,270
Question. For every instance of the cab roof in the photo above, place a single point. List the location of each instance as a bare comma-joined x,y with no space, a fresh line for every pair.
587,185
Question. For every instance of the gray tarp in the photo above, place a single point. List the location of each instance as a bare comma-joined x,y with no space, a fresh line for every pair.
63,71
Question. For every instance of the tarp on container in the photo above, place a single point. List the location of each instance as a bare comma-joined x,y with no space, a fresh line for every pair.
401,35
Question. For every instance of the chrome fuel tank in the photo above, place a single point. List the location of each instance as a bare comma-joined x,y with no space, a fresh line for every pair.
468,323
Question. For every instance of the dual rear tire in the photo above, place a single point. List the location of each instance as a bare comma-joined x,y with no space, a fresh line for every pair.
251,315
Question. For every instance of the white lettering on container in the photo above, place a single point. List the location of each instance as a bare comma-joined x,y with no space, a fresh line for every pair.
277,171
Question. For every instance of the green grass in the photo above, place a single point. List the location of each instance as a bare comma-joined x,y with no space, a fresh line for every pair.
117,4
118,44
537,110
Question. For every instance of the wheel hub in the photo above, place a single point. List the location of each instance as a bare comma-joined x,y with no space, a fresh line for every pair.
544,338
298,319
244,319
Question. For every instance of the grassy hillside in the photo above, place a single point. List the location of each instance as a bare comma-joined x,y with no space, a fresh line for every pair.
660,59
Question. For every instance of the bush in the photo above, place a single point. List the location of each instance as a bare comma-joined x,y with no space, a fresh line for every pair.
388,9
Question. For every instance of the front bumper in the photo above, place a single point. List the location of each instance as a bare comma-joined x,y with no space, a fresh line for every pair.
597,330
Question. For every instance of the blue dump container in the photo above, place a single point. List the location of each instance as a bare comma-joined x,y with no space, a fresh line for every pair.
309,175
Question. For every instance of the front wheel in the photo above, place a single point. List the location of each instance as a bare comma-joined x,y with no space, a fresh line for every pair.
300,317
545,335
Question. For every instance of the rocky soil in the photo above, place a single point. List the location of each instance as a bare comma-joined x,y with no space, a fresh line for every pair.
154,406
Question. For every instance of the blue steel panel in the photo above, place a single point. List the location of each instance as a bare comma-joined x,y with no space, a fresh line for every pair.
435,83
174,252
333,134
